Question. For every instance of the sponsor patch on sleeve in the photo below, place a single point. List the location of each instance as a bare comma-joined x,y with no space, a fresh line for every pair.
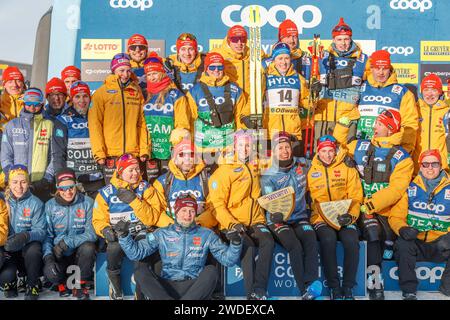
412,191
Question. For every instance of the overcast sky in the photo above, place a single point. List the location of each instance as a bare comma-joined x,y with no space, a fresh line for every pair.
19,20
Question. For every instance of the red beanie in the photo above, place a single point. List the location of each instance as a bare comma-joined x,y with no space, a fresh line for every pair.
12,73
137,39
237,31
71,71
55,85
432,152
380,59
185,201
185,145
326,141
391,119
213,57
153,63
79,87
124,162
187,39
431,81
287,28
342,29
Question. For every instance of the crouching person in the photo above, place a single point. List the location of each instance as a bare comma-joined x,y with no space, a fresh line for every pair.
183,248
421,219
70,236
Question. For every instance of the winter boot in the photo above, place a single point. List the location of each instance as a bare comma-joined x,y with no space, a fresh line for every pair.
115,287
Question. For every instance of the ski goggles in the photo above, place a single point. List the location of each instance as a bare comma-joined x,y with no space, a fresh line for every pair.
236,39
215,68
327,138
187,36
135,47
66,188
434,165
152,60
342,28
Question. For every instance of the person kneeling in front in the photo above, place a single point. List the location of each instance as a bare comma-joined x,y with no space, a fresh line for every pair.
183,248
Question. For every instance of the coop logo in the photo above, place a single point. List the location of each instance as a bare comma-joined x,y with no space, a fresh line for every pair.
306,17
403,51
423,273
431,206
380,99
78,126
421,5
133,4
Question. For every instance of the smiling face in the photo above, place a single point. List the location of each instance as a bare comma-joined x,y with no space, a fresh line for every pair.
327,155
81,102
381,74
69,81
154,76
124,73
187,54
215,72
283,151
67,190
430,167
14,87
57,100
185,216
137,53
431,95
131,174
342,43
282,63
19,185
291,41
185,161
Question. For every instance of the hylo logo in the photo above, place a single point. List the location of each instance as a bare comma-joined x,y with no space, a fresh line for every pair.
421,5
404,51
270,16
134,4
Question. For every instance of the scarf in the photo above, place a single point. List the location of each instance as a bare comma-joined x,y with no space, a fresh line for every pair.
157,87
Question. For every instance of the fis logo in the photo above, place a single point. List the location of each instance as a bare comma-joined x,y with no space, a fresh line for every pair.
403,51
421,5
133,4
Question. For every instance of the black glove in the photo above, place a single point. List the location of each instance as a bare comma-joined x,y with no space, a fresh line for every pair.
408,233
17,241
277,218
125,195
239,228
316,87
109,234
248,122
370,225
234,237
59,249
344,219
443,245
51,269
121,228
2,259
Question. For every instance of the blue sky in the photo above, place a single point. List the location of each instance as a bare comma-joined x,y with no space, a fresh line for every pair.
19,20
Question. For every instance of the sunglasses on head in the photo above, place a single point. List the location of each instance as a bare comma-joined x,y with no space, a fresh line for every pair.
327,138
237,39
434,165
152,60
139,47
187,36
66,188
126,157
342,28
215,68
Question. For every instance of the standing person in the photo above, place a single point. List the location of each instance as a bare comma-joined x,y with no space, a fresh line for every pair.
341,73
295,234
165,109
27,141
333,177
13,83
185,275
137,49
71,146
56,94
185,68
27,231
381,92
127,197
432,125
234,190
70,236
217,106
386,170
116,118
421,219
70,75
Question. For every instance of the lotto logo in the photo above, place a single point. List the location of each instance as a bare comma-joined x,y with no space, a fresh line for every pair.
403,51
421,5
134,4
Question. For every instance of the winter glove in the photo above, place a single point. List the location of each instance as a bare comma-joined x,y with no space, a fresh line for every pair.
17,241
59,249
345,121
443,245
125,195
344,219
408,233
316,87
51,269
109,234
121,228
239,227
234,237
277,218
370,228
248,122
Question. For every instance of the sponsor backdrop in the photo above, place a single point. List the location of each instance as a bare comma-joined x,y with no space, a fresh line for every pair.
413,31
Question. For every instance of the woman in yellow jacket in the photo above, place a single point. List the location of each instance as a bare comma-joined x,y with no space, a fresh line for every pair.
432,114
234,189
128,198
116,118
4,229
421,219
333,177
285,92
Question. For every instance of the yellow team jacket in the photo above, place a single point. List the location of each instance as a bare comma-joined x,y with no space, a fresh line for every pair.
10,107
333,183
147,209
4,222
116,120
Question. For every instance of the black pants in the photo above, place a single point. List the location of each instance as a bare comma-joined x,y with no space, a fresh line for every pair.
328,238
91,188
84,257
256,273
301,243
30,256
156,288
154,262
407,253
114,256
